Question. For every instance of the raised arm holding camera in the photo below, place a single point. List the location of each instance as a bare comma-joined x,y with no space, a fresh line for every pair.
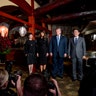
5,89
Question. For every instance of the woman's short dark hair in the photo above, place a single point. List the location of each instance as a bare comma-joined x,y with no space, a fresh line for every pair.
35,85
30,34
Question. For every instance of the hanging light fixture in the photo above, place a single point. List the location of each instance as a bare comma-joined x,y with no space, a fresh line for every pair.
94,37
4,29
5,43
22,31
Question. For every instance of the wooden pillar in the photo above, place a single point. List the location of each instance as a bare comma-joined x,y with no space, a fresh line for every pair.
32,20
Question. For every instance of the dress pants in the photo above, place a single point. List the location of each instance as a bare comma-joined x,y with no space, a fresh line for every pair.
77,67
58,66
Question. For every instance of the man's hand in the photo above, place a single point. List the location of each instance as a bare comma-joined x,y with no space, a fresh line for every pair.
18,83
69,57
51,54
54,90
25,54
47,54
37,54
65,55
84,57
19,86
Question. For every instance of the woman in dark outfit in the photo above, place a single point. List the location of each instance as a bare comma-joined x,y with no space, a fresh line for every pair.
42,44
30,52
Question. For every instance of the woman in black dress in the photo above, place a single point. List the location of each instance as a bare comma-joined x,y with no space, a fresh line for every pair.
30,52
42,44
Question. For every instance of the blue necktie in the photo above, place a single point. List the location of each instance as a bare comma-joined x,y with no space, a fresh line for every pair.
75,41
58,40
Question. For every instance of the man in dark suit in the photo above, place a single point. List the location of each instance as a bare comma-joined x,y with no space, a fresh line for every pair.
77,51
58,50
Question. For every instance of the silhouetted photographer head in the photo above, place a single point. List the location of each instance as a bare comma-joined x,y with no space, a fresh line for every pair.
35,85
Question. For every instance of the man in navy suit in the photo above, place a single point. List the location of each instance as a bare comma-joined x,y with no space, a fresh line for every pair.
58,50
77,52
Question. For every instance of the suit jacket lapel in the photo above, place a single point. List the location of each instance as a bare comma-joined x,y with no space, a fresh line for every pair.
78,40
60,40
73,40
56,40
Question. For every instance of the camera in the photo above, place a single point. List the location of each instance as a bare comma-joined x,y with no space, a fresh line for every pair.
8,89
50,83
14,76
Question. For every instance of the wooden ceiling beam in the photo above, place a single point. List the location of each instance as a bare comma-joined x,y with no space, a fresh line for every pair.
68,16
13,18
22,21
50,6
23,5
42,10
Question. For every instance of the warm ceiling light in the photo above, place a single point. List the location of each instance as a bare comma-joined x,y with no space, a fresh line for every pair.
22,31
3,31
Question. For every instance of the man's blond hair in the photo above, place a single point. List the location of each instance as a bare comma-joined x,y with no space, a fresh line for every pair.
4,76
